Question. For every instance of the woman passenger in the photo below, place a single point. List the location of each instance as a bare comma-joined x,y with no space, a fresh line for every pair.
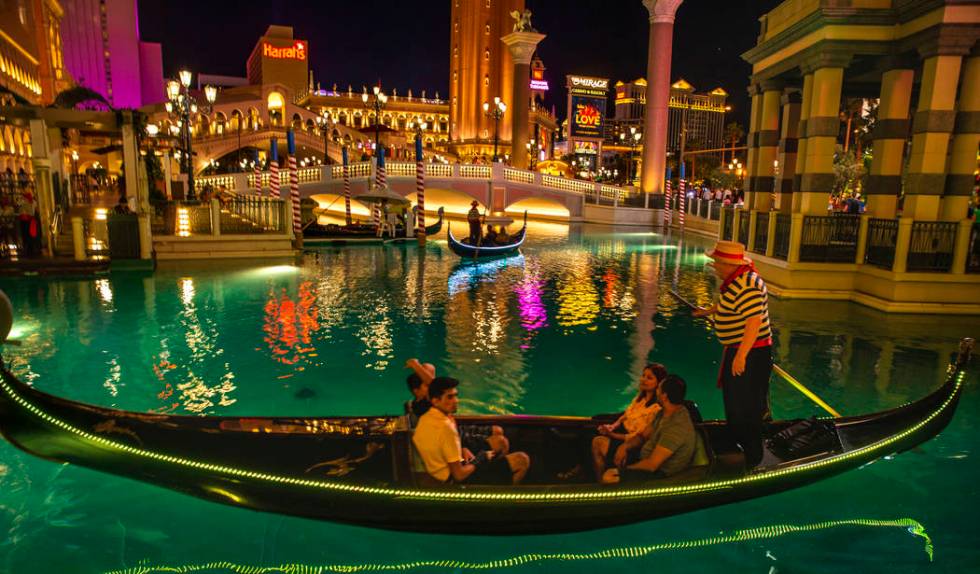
637,417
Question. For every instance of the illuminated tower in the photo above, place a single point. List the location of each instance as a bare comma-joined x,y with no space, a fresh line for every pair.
480,68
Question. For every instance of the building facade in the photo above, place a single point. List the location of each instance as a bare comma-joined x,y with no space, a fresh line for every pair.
32,69
279,58
913,247
480,69
104,52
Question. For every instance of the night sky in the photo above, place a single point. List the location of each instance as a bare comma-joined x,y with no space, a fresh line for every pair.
406,44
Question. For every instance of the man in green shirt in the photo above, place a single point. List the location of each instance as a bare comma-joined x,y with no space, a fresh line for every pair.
669,443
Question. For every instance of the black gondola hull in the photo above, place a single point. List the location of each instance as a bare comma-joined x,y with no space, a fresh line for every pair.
328,233
275,464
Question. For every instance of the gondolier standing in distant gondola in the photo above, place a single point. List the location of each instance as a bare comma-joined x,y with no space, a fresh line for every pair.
741,318
473,218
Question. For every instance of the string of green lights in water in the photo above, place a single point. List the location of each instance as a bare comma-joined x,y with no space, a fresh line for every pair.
627,552
872,449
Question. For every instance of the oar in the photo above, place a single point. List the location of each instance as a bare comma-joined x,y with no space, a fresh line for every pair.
779,370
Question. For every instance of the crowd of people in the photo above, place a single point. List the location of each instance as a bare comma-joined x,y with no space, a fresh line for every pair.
20,225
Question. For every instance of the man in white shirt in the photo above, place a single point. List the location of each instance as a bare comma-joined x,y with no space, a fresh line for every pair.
437,441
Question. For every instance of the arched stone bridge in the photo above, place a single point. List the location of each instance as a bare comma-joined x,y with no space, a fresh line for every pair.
496,187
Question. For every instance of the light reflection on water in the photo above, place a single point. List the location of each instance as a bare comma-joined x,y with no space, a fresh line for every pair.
564,328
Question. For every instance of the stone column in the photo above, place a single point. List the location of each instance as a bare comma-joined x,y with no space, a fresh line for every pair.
807,100
752,141
788,145
890,133
522,46
822,127
41,162
966,139
658,93
768,140
931,127
136,184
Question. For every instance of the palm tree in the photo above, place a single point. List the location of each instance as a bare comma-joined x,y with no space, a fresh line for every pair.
734,132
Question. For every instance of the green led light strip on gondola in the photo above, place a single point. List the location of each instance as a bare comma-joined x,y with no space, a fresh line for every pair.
761,533
469,495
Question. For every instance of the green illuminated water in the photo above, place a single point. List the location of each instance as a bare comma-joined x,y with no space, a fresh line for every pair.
563,329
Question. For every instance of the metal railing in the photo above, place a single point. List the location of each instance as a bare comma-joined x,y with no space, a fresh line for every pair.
879,249
714,210
973,250
743,228
931,247
726,231
703,207
761,239
780,243
830,239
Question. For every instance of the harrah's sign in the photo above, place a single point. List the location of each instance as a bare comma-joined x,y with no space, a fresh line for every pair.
295,52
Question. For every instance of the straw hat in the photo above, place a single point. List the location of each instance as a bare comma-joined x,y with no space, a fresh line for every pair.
730,252
475,203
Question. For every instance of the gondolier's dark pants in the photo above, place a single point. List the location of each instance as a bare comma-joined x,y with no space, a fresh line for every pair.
475,232
747,399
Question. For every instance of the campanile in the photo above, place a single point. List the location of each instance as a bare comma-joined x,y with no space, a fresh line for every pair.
480,68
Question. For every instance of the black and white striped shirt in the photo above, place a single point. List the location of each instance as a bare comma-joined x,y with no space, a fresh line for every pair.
743,297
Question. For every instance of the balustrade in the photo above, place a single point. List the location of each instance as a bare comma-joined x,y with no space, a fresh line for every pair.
830,239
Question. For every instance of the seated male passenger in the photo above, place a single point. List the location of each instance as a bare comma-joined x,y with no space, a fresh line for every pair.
473,437
437,441
490,237
669,443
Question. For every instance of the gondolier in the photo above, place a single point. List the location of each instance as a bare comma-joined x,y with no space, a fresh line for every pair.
741,318
473,218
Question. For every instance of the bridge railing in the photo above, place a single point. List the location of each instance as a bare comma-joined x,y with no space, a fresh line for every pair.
592,192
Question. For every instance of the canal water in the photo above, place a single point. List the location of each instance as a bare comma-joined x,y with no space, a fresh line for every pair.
564,328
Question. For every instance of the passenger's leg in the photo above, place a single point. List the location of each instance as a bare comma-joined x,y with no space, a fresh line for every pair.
600,449
519,464
498,443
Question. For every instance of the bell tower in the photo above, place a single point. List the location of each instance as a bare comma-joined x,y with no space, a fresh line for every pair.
480,69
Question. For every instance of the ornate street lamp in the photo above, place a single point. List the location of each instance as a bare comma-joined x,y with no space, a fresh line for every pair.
495,111
181,107
377,102
631,139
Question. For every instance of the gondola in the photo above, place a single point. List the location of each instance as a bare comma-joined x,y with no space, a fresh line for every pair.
466,250
362,470
332,233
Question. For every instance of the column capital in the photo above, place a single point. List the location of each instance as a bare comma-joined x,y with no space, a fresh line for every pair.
793,96
825,60
522,45
773,85
662,11
949,41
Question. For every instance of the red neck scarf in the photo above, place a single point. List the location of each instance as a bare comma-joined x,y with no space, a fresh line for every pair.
742,269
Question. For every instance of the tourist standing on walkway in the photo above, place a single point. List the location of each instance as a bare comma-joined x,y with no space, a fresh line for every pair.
741,318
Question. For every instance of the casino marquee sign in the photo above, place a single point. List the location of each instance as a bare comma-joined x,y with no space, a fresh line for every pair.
586,105
295,51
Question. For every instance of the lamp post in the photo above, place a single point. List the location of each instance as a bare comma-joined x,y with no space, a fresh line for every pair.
495,111
181,106
326,124
632,139
532,152
376,102
775,181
